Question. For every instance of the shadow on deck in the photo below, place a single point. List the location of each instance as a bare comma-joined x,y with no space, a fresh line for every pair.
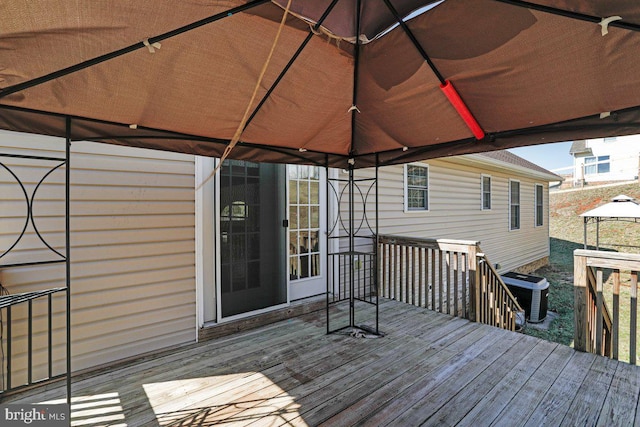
430,369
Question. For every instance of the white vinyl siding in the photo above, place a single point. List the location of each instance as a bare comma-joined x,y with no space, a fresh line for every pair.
514,205
454,213
132,248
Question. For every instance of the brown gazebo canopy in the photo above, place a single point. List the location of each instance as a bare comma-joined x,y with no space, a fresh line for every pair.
350,81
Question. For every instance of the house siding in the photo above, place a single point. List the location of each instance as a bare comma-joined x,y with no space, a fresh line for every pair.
133,239
132,249
456,213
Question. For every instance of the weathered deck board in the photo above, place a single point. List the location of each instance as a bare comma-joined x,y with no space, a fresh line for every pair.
499,398
620,406
557,399
486,386
534,389
429,369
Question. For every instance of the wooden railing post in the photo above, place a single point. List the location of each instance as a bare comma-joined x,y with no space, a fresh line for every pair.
580,302
474,294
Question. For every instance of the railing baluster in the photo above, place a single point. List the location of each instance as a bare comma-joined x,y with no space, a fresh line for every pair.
50,335
616,312
433,280
599,288
440,282
633,321
421,281
465,289
30,343
411,273
455,283
417,269
401,248
9,348
447,257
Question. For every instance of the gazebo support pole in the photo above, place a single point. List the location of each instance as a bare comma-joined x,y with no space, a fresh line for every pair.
584,222
598,234
352,250
68,252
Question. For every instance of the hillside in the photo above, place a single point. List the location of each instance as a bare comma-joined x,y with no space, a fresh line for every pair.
566,226
566,232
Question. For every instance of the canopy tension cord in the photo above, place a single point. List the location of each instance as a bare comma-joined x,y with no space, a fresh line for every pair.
445,85
240,129
290,64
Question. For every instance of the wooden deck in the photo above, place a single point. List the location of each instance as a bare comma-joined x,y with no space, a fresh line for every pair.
429,369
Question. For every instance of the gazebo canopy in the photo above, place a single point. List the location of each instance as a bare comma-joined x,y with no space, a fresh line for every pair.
361,82
620,208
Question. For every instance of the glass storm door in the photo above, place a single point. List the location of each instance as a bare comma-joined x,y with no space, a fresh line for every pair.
306,231
252,237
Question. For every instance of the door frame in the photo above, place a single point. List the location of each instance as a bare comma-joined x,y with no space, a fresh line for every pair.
207,190
321,280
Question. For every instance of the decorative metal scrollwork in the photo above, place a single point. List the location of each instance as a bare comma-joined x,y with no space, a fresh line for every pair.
29,200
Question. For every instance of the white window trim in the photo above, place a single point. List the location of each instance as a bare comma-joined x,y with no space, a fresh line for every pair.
519,204
482,177
406,189
535,205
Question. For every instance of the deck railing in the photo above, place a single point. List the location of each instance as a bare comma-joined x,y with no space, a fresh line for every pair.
448,276
495,304
597,328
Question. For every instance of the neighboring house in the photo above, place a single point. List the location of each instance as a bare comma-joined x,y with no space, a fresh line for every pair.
152,234
605,159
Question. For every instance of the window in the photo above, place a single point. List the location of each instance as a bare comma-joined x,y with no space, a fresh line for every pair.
486,192
304,222
514,205
539,205
416,187
595,165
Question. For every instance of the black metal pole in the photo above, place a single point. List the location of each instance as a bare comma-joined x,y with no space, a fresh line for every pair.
68,251
376,253
570,14
351,258
415,41
330,274
290,63
354,112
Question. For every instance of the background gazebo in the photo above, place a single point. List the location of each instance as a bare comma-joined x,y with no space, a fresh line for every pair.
620,208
